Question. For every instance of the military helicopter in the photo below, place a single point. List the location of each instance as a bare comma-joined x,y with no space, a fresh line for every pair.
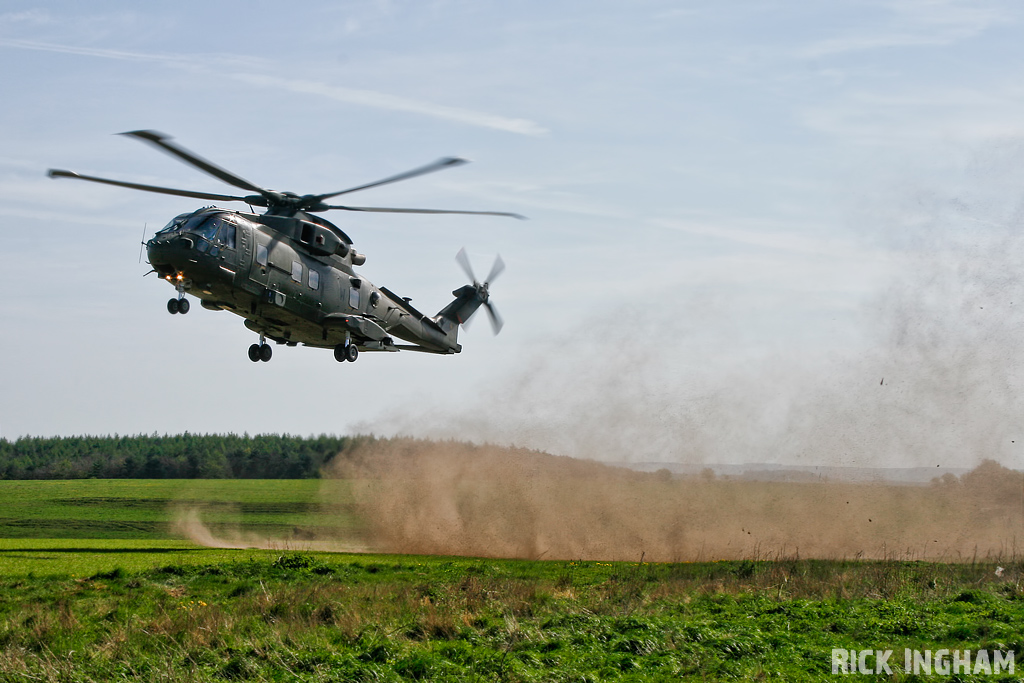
291,274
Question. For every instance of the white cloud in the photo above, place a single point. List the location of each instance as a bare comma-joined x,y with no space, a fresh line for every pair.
366,98
168,60
33,17
379,100
919,115
915,23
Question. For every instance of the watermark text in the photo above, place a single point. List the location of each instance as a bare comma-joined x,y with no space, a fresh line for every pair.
923,662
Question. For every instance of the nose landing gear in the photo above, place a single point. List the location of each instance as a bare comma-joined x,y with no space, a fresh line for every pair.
179,305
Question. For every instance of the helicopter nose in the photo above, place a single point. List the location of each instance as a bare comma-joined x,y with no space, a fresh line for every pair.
167,255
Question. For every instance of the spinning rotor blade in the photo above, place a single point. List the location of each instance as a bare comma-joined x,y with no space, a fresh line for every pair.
164,143
446,162
384,210
282,203
463,261
54,173
492,314
482,295
496,270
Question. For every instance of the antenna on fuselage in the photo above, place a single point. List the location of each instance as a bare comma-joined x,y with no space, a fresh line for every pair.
142,245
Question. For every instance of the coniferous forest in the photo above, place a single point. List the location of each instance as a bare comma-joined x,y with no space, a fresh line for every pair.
180,456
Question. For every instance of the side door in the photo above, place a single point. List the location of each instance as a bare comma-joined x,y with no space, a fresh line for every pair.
257,247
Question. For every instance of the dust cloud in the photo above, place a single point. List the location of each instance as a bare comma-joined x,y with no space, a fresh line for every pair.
187,522
928,370
933,376
450,498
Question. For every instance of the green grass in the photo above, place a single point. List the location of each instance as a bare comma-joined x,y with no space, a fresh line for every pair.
86,557
320,617
146,508
149,607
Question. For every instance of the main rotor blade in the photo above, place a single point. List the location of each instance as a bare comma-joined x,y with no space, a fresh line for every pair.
492,313
383,210
463,261
164,143
54,173
496,270
446,162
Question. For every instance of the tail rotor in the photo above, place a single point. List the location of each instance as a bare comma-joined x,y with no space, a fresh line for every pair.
481,291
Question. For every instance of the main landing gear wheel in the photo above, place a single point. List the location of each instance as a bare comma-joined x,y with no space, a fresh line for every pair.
260,352
344,353
178,306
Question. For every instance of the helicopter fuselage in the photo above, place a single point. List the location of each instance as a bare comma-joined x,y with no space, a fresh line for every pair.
289,273
292,279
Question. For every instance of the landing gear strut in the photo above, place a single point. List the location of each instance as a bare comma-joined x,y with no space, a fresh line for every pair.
179,305
260,352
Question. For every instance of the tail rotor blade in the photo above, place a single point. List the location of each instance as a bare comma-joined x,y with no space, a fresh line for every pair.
496,270
496,321
463,261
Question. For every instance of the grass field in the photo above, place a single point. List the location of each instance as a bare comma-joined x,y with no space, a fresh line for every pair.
155,608
148,508
251,615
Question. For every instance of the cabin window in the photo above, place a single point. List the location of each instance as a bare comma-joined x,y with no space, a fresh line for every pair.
374,299
353,297
297,271
227,234
314,279
261,254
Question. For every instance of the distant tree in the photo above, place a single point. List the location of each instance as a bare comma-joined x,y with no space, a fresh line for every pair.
180,456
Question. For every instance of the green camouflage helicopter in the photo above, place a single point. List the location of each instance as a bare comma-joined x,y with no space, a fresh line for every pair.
291,274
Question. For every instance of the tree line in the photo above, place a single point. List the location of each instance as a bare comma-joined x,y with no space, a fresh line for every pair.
181,456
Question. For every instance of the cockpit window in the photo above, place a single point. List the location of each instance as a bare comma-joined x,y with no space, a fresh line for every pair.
175,224
216,226
202,224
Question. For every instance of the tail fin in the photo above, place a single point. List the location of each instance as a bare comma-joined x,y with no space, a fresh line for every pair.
467,299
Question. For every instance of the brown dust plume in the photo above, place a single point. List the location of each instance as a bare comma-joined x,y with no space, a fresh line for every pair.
450,498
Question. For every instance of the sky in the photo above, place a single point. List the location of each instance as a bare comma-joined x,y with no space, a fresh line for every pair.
758,231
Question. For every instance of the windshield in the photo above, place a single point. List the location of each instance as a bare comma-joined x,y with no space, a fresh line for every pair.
210,226
175,224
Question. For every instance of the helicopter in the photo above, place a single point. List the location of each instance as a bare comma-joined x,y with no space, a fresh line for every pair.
290,273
